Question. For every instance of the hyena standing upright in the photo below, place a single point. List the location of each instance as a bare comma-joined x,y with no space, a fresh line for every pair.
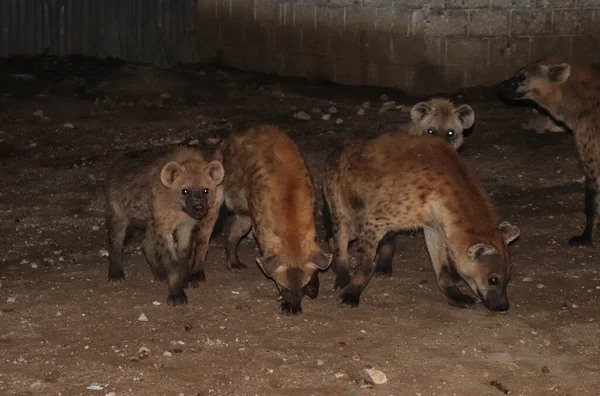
172,200
571,95
440,117
396,182
268,189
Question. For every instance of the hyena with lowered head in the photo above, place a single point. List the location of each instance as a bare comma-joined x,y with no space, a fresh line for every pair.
175,201
440,117
268,189
398,182
571,95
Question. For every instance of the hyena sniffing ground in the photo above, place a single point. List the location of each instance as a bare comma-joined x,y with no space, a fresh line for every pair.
268,189
571,95
440,117
172,200
397,182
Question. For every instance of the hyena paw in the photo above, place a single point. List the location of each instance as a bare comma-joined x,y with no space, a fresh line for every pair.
177,299
580,240
195,279
350,296
462,301
341,280
116,276
237,266
290,309
383,272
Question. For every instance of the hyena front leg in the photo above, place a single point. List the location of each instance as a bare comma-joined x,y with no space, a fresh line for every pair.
338,237
591,206
236,227
385,253
156,266
205,229
439,258
117,232
368,239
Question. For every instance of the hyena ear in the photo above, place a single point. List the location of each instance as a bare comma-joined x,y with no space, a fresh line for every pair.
509,232
419,111
269,265
320,260
216,172
466,115
480,249
559,73
169,173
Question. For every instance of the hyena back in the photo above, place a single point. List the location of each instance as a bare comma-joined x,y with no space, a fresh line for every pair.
399,182
268,189
171,200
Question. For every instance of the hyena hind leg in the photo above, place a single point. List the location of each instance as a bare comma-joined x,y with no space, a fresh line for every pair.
385,252
439,258
591,205
236,227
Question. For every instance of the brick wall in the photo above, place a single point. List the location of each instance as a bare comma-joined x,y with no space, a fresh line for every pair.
420,46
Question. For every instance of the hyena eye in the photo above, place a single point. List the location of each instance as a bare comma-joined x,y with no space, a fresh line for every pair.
430,131
493,280
205,191
450,133
185,191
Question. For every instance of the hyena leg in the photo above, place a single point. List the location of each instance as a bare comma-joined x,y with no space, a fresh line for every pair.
205,230
338,238
385,253
149,249
367,248
439,258
117,232
591,205
236,227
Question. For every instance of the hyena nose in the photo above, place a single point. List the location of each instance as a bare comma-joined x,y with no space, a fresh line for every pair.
198,208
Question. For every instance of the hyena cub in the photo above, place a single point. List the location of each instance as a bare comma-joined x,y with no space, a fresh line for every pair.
174,200
268,189
571,95
398,182
440,117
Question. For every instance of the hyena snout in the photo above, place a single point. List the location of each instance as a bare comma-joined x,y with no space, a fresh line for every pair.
510,88
196,207
495,300
292,301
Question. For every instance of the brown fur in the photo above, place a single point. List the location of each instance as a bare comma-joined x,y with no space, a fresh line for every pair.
571,95
269,190
398,182
170,199
440,117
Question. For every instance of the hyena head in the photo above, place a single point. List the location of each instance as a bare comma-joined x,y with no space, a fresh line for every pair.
539,81
439,117
195,184
293,281
486,267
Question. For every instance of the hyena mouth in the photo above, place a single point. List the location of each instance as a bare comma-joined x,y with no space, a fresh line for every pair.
510,89
197,211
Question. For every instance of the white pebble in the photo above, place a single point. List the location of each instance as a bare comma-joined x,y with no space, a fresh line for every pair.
143,318
69,125
540,285
332,110
339,121
39,113
375,377
34,265
320,362
165,95
144,350
339,375
302,115
194,142
575,306
528,279
326,117
103,252
365,105
360,112
95,228
155,303
11,300
34,144
167,354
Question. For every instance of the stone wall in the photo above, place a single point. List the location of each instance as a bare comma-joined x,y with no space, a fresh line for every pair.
421,47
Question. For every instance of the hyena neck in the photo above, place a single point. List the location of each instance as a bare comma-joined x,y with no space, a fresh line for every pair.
573,104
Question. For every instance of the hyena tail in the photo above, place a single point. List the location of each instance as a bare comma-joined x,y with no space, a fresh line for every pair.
328,223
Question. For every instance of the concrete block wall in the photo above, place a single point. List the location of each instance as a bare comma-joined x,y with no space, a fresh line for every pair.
420,46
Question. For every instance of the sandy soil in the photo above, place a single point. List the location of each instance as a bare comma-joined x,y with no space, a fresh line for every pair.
64,327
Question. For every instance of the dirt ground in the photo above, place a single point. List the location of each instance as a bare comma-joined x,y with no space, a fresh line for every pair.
63,327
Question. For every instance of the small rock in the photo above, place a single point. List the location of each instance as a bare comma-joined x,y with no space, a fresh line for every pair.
320,362
326,117
111,394
34,265
316,110
68,125
540,285
165,95
103,252
143,318
39,113
95,228
360,112
373,376
167,354
36,384
339,375
144,350
188,327
528,279
545,370
155,303
365,105
302,115
332,110
384,98
194,142
575,306
213,141
11,300
34,144
339,121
